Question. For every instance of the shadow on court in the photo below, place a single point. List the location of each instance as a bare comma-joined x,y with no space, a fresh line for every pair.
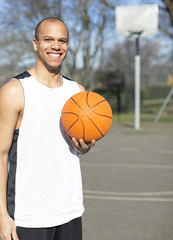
128,185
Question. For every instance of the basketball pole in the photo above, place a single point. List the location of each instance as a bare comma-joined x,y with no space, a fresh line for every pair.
137,80
137,84
139,20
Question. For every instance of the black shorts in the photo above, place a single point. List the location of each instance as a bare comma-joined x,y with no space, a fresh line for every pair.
68,231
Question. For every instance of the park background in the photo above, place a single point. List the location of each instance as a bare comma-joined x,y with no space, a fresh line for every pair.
98,58
127,176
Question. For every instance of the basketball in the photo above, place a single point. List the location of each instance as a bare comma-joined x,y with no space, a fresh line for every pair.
86,115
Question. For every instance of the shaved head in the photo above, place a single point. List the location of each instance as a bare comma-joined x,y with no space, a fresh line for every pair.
50,19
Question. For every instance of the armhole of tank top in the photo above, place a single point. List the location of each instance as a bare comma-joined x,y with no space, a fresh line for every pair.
17,129
69,79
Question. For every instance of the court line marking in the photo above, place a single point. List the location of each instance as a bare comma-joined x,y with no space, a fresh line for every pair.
143,199
131,196
166,167
164,193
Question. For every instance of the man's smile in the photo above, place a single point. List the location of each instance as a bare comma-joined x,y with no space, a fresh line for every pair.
54,55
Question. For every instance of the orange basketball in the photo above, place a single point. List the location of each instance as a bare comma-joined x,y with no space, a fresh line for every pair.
87,116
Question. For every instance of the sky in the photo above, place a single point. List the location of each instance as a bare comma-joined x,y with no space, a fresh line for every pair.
120,2
118,38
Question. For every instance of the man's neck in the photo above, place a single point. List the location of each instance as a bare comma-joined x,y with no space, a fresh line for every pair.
50,79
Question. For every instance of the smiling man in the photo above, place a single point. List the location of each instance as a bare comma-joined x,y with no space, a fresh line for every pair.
41,193
51,46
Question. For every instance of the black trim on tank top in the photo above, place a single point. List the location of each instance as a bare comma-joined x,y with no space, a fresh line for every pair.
23,75
12,160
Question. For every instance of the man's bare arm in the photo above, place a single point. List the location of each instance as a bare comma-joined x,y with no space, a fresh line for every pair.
10,107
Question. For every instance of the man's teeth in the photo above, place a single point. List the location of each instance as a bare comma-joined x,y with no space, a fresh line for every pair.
54,55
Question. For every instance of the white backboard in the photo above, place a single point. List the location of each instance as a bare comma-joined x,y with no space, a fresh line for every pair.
137,18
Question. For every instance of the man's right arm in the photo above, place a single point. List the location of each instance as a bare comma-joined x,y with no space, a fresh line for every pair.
10,107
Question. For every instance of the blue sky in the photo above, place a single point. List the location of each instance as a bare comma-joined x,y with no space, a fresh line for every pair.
131,2
117,38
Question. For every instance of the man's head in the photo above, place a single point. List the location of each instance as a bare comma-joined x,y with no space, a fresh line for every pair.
51,19
51,43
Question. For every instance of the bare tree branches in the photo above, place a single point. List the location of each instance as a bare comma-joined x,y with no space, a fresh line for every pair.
169,6
107,4
167,33
90,23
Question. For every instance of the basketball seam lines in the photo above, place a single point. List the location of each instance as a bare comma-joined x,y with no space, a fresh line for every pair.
71,113
100,114
90,108
77,104
95,125
75,123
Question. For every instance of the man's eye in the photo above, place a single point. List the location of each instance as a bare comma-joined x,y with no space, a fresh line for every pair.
63,40
47,40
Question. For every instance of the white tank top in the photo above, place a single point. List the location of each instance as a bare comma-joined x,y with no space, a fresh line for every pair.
48,178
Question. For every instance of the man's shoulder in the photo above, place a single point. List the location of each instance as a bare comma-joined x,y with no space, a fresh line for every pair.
11,96
12,88
14,83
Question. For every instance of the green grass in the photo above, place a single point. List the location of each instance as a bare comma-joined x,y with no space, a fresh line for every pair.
149,111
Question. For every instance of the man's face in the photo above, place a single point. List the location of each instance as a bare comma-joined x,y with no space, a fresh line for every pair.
52,44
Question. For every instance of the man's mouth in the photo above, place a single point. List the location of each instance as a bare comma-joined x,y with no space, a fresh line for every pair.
54,55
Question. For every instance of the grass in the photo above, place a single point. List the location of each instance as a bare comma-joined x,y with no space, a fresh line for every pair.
149,111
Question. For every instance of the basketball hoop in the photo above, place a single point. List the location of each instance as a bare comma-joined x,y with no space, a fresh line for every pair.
137,21
131,20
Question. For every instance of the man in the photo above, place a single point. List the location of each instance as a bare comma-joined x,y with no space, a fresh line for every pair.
43,183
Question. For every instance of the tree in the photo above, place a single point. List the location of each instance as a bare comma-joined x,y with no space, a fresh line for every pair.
91,24
169,11
155,66
88,20
87,38
166,12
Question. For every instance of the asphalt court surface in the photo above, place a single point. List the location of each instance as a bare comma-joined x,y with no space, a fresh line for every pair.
128,185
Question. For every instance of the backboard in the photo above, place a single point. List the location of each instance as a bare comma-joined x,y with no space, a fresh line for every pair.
137,19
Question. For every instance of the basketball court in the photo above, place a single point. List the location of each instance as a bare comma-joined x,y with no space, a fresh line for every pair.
128,185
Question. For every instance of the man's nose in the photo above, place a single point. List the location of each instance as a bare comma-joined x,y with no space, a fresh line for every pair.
55,45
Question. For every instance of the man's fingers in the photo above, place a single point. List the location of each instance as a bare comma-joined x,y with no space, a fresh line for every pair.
92,144
83,144
75,142
80,146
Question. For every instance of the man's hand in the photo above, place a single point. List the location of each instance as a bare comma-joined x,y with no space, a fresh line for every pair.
80,146
8,229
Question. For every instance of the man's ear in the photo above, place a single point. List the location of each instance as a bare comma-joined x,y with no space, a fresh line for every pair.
34,43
